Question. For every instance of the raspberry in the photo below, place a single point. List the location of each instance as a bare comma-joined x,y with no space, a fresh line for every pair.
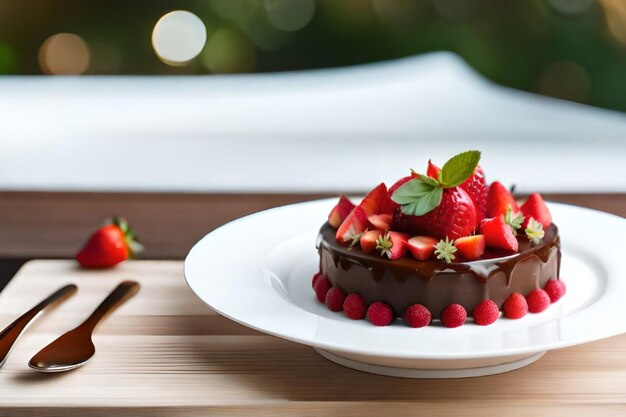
453,316
334,299
354,306
315,277
563,288
486,312
554,290
417,316
322,285
380,313
515,307
538,300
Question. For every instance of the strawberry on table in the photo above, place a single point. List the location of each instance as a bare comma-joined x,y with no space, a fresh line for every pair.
471,247
339,213
439,207
353,226
109,245
422,247
499,199
498,234
536,208
392,244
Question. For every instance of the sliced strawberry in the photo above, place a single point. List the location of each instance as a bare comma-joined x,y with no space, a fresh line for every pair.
498,234
422,247
378,201
368,240
536,208
339,213
471,247
455,217
499,199
381,221
476,187
433,170
355,224
392,244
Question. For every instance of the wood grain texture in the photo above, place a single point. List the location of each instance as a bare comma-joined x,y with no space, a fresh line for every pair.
165,353
55,224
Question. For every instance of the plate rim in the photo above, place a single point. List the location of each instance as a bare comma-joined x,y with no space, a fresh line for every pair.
528,349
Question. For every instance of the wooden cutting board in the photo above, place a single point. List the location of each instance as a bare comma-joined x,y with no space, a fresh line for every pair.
166,353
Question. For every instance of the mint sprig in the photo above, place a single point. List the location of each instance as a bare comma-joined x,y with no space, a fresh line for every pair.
459,168
418,196
423,194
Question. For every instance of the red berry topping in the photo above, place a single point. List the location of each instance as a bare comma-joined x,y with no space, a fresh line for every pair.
417,316
536,208
322,285
498,234
476,187
486,312
515,307
354,306
334,299
378,201
422,247
368,240
471,247
453,316
554,290
538,301
380,313
339,213
315,277
393,245
381,222
352,227
499,199
454,217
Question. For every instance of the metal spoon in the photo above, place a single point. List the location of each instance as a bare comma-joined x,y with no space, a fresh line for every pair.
12,332
75,348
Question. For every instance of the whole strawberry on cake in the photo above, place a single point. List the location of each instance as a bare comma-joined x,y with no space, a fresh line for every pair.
441,246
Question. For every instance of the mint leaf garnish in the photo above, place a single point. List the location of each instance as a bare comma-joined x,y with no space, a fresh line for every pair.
459,168
418,196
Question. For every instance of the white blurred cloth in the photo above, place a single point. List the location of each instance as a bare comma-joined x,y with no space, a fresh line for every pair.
342,129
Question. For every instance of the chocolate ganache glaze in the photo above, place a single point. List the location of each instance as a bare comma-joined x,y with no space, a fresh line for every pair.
435,284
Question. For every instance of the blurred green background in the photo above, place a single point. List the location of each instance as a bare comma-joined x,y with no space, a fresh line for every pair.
571,49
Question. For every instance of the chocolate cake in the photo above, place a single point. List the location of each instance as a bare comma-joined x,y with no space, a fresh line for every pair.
406,281
440,246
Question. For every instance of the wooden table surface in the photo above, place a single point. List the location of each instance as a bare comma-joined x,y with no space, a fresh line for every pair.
234,370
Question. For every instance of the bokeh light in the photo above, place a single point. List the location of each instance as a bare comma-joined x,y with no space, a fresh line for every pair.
178,37
64,54
615,11
567,80
290,15
398,11
228,51
572,7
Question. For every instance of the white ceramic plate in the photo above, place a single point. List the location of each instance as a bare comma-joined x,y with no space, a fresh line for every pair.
257,271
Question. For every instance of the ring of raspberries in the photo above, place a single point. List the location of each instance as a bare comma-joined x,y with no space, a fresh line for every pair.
380,313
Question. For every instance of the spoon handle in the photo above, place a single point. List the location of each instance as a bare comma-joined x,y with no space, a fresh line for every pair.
118,296
12,332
